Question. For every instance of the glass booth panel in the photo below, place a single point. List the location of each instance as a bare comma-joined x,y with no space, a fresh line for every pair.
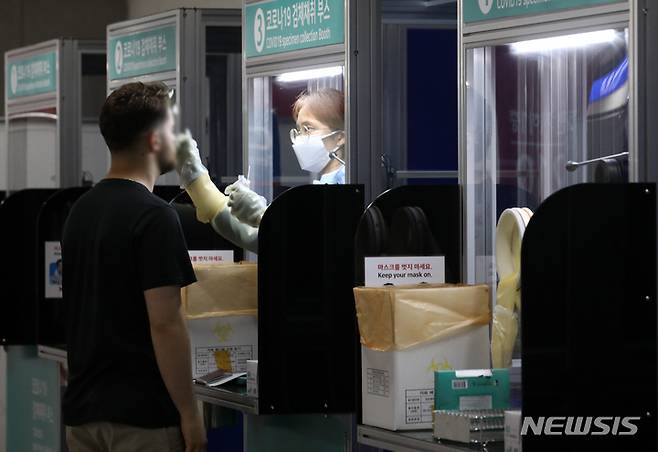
95,157
537,112
171,178
419,97
223,88
305,106
32,154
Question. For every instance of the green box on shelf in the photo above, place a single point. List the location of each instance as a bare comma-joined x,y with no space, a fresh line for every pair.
477,389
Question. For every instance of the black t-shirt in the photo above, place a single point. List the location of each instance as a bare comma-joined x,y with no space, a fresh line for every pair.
119,240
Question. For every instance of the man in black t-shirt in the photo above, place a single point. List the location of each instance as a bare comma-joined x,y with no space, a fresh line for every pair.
124,261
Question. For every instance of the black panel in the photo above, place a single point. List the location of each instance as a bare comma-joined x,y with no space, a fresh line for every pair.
223,40
198,236
93,63
201,236
307,338
170,193
440,204
52,313
589,313
18,266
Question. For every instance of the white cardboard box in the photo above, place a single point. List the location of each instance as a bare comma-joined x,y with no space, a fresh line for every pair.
398,386
513,431
236,334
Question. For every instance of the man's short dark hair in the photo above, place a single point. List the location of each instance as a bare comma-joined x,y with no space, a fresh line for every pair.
130,111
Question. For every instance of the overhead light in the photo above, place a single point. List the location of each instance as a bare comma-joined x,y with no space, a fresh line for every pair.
310,74
565,42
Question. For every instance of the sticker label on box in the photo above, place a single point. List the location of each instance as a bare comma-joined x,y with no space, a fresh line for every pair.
398,271
205,362
482,402
419,404
378,382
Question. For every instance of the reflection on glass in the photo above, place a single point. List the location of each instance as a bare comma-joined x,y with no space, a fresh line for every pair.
296,130
535,110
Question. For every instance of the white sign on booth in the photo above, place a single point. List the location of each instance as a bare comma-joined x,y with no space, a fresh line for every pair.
404,270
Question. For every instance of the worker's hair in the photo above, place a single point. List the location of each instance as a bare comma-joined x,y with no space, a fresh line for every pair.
327,105
132,110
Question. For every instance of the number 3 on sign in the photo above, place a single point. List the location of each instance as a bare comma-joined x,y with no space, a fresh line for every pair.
259,30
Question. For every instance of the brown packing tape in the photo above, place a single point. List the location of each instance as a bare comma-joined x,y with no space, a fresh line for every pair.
396,318
374,312
222,290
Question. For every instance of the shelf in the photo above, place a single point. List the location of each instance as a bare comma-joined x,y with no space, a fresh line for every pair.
233,397
414,441
227,398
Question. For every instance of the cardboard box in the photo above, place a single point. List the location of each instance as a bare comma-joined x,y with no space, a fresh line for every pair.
513,438
398,385
478,389
221,310
252,378
408,333
232,338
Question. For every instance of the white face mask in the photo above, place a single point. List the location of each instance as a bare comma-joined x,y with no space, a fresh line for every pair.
311,153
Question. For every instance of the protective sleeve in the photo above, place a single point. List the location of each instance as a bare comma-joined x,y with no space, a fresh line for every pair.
208,200
234,231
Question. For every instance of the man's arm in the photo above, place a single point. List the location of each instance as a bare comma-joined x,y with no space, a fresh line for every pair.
172,351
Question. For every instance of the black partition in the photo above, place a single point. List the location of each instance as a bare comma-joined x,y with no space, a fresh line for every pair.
589,314
29,219
307,337
380,233
198,236
52,315
19,266
201,236
168,193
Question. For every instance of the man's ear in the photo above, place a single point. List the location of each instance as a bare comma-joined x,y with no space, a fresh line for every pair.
154,141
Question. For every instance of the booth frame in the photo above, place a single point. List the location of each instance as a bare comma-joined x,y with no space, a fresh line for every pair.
66,99
505,31
190,24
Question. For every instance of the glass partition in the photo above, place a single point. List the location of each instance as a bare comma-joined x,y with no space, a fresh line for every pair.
3,157
32,150
307,108
537,113
94,153
223,87
419,97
